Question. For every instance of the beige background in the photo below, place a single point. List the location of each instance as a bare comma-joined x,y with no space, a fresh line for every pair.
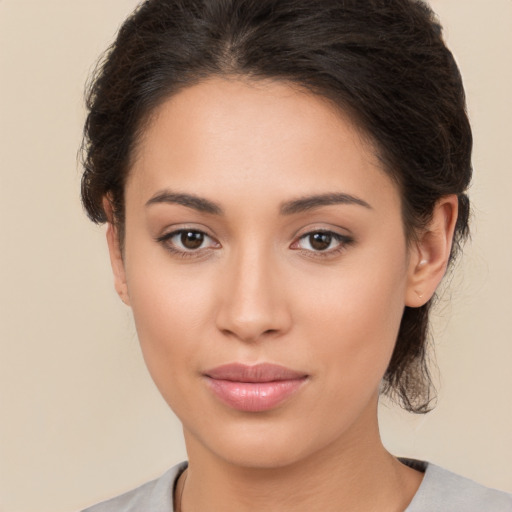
80,419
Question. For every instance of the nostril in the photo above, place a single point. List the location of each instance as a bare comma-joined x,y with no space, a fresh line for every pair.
248,334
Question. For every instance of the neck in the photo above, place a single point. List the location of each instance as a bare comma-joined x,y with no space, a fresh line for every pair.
355,473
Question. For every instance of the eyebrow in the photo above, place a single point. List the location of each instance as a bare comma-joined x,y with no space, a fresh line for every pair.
304,204
189,200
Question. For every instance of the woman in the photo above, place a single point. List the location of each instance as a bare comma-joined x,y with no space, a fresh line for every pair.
284,184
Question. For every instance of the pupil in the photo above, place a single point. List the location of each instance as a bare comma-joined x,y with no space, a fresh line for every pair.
192,239
320,241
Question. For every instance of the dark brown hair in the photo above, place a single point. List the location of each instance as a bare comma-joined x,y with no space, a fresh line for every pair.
384,62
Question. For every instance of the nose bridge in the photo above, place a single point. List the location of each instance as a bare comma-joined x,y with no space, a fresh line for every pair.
253,301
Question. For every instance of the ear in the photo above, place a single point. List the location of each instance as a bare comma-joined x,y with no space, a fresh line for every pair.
116,254
430,253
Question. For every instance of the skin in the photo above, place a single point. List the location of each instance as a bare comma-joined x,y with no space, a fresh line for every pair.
256,290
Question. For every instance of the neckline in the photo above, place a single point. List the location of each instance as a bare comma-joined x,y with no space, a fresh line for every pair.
419,465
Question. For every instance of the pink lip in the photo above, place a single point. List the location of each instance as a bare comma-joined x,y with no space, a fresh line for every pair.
254,388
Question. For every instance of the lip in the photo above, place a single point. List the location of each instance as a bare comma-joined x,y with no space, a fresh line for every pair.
254,388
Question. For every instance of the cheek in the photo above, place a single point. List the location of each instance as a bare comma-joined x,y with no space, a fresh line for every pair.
353,323
170,309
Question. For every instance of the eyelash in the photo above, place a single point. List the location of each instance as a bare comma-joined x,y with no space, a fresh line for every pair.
166,241
343,241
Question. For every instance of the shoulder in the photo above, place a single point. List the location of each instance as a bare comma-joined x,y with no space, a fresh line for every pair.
155,495
443,491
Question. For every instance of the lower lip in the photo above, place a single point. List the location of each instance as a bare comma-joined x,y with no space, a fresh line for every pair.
254,396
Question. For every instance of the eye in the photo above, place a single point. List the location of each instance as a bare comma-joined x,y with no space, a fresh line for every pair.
187,241
318,241
190,240
327,242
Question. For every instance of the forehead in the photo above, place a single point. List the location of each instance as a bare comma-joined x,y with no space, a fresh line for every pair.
271,136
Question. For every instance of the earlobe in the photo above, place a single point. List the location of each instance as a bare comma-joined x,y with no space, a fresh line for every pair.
116,255
430,254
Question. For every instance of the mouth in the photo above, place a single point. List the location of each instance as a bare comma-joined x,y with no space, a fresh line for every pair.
254,388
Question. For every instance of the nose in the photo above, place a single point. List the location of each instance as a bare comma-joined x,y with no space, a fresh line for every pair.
254,305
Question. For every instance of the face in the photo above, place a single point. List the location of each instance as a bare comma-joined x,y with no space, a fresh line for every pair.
267,269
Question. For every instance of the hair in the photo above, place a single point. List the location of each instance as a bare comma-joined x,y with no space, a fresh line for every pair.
384,62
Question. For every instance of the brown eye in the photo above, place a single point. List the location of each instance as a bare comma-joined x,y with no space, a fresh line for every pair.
192,239
187,241
328,243
320,241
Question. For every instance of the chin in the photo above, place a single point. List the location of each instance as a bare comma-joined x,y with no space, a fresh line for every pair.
258,455
261,443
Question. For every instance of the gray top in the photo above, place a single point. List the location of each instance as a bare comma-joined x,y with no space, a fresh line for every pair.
440,491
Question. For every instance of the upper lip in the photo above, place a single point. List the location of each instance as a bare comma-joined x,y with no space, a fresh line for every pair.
263,372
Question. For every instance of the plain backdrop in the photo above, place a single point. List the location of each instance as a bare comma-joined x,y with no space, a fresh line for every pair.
80,419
